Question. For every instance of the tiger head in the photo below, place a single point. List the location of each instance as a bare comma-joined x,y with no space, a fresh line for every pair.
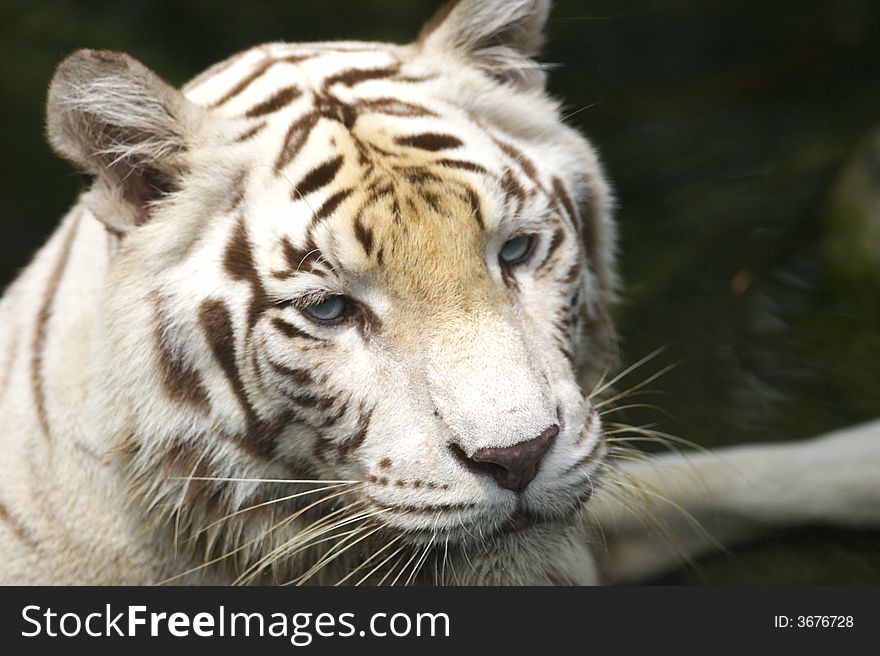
373,268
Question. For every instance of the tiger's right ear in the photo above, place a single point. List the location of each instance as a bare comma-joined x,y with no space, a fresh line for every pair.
499,36
115,119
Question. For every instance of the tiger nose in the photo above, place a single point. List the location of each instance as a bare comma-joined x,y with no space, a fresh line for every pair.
514,467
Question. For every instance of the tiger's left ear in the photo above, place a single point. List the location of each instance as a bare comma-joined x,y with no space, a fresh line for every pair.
500,37
116,120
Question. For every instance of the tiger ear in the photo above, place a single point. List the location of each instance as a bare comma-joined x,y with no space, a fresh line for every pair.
115,119
498,36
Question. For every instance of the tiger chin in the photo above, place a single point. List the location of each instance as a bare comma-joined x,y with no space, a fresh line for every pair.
332,313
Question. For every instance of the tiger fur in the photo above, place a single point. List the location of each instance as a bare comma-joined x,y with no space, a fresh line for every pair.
174,411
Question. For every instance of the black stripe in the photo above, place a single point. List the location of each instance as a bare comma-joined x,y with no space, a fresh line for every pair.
566,352
289,330
182,458
180,380
524,162
295,374
237,190
555,241
242,84
354,441
432,141
474,202
364,235
329,206
275,102
298,259
512,188
332,419
354,76
562,195
238,261
45,314
433,508
216,323
590,230
392,107
318,177
572,273
416,175
307,400
18,529
251,132
296,137
462,164
249,79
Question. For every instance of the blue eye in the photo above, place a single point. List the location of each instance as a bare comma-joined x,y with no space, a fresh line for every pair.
329,310
517,250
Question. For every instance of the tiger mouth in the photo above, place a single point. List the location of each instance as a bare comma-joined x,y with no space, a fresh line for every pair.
519,521
522,524
522,520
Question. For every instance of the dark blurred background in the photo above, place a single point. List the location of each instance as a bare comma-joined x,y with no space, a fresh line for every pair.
742,140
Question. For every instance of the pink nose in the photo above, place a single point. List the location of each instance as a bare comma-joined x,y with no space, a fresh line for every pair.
512,467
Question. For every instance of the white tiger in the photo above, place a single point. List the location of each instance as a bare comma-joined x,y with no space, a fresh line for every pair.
316,320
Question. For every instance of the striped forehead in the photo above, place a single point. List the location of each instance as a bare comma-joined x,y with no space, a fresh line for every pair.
231,87
355,163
